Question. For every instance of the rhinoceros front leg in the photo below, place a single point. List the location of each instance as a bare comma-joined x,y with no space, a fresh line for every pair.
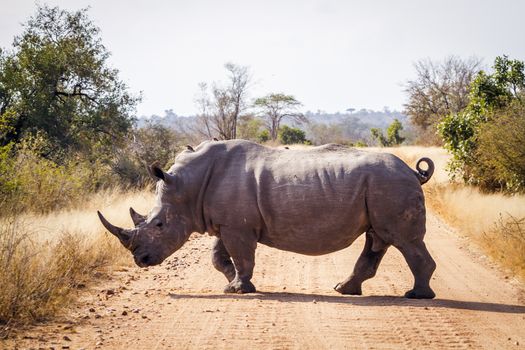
365,268
241,247
422,266
221,260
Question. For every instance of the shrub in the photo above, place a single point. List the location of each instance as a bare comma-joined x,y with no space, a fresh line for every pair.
289,136
501,148
29,181
392,138
486,138
264,136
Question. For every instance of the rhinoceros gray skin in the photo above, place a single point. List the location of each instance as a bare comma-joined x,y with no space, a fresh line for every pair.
310,201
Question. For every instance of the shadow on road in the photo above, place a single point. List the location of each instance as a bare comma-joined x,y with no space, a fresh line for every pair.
373,300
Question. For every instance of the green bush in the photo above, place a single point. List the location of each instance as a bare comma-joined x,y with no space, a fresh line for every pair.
486,138
263,136
289,136
392,138
28,181
501,148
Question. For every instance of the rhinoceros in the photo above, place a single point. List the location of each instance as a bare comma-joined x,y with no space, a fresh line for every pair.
309,201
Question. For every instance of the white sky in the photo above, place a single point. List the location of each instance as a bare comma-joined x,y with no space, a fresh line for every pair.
331,55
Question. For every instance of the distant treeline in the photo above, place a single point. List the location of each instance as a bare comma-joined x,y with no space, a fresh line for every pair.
320,127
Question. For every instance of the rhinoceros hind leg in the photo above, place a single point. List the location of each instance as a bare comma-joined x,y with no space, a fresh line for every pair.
241,248
240,287
221,260
422,266
365,268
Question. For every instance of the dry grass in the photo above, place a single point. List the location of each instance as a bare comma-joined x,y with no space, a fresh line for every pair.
45,258
495,222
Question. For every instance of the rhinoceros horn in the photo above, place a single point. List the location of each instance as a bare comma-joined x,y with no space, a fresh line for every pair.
123,235
136,217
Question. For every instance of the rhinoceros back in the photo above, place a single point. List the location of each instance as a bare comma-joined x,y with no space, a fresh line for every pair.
310,201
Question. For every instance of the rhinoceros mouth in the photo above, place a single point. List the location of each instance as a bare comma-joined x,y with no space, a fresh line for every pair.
146,260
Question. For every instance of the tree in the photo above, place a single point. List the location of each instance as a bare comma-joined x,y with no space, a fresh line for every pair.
56,82
392,138
275,107
478,136
219,113
440,89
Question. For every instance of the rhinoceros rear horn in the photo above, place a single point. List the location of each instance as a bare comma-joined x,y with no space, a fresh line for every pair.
123,235
136,217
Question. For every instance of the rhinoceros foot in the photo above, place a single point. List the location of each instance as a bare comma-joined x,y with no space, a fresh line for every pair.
348,288
239,287
420,294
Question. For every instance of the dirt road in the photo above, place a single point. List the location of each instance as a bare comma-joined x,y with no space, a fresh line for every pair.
180,305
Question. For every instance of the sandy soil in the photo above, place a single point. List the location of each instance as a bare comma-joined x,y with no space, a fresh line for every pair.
180,305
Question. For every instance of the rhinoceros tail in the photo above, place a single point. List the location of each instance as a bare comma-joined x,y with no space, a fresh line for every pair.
424,175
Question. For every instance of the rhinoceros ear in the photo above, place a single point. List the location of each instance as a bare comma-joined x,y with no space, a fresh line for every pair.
155,171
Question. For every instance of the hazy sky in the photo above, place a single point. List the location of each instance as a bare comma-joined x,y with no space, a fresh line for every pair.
331,55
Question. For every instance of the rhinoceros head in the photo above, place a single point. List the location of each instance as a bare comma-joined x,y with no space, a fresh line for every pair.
166,228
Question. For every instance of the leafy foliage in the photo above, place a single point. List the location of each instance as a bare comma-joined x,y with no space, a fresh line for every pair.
484,137
29,181
501,148
289,136
392,138
263,136
57,83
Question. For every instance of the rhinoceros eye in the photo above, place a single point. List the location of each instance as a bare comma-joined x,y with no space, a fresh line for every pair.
159,224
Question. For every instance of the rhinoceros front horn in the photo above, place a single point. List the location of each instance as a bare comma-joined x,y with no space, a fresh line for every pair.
122,234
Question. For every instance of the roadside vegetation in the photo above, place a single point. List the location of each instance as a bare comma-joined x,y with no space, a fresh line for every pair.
46,259
68,147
